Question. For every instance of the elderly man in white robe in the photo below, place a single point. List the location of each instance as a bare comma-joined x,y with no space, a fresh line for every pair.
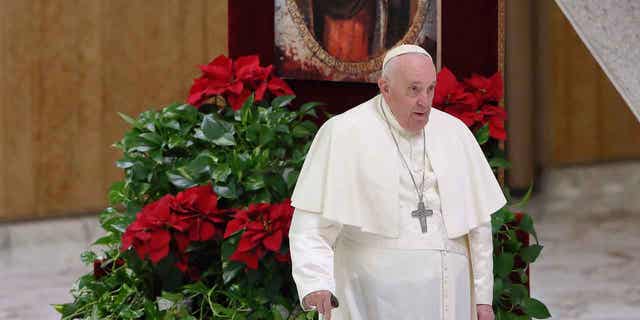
393,208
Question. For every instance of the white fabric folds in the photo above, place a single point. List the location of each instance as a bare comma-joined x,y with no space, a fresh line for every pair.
351,173
374,281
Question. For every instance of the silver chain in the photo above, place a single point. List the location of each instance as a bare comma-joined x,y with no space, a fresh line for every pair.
420,191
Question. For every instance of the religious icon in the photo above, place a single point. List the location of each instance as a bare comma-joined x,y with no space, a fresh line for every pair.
345,40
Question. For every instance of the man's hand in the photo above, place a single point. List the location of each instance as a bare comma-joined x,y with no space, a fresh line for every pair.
321,300
485,312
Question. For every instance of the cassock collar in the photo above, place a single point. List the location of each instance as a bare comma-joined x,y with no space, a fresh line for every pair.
395,125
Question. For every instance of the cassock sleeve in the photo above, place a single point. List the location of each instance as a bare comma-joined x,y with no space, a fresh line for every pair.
481,249
311,240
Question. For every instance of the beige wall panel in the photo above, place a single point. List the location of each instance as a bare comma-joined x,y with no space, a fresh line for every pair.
3,107
582,107
123,43
87,190
214,16
66,130
67,68
619,125
22,95
561,115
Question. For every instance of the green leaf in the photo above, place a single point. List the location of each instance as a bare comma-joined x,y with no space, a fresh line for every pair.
267,135
535,308
254,182
497,221
88,257
304,129
152,137
503,264
229,245
199,166
117,192
526,224
498,287
278,185
156,156
127,118
512,244
109,239
125,162
499,163
309,108
523,202
176,141
281,101
218,131
261,197
518,293
221,172
530,254
253,132
507,193
140,146
281,128
173,124
230,191
482,134
232,271
249,102
179,180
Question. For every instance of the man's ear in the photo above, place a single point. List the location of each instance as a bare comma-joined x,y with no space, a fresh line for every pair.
383,85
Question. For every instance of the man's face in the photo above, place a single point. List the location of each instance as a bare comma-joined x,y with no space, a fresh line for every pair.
409,89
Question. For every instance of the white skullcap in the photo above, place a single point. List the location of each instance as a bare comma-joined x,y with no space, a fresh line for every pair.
403,49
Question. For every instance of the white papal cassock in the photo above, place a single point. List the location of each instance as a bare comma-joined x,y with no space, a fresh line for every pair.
403,273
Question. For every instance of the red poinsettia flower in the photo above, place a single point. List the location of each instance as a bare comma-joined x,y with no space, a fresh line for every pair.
149,233
278,87
192,215
248,69
495,116
265,227
256,79
450,96
217,79
236,101
449,91
486,89
236,81
465,113
198,208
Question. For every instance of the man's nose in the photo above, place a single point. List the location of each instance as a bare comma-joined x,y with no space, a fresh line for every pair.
423,99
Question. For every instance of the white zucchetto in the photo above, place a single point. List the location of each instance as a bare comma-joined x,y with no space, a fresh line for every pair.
404,49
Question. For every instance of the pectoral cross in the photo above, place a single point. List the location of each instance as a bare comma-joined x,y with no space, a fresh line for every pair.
422,213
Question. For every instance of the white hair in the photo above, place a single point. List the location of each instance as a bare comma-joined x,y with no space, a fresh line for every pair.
388,68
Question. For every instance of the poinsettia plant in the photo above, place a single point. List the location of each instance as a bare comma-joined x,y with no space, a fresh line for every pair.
198,226
475,101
